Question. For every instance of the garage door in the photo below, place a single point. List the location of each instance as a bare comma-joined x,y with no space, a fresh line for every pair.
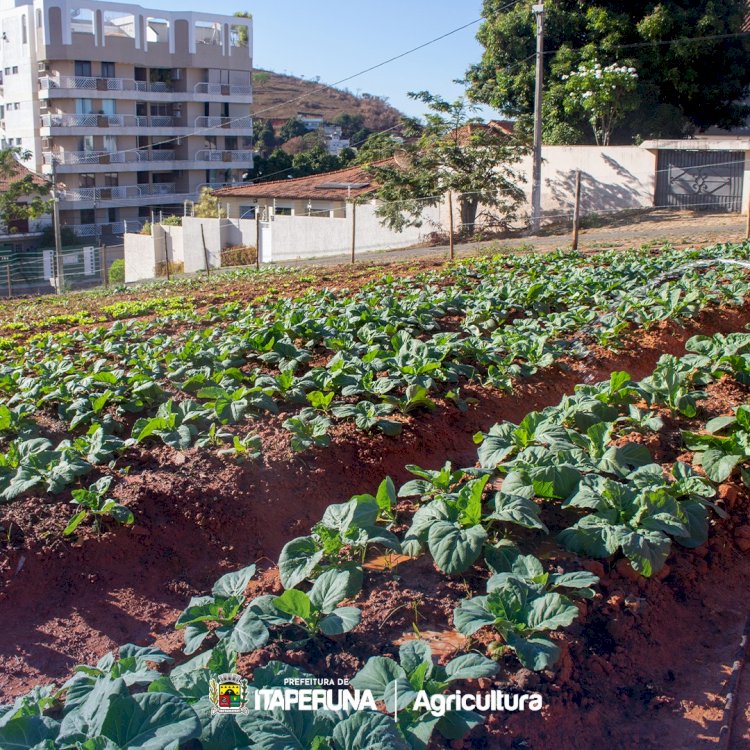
701,180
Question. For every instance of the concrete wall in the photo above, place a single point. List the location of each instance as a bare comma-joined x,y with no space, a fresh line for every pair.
140,258
613,178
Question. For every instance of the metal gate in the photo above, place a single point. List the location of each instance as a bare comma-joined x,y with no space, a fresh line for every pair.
701,180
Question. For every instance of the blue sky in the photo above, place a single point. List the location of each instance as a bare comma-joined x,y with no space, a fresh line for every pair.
335,40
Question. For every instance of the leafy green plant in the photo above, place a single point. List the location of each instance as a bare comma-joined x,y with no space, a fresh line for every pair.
368,416
308,429
521,612
318,611
94,502
339,539
397,684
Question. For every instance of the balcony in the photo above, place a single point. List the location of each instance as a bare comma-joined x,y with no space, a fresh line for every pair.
215,155
66,158
107,121
223,89
117,193
236,123
87,83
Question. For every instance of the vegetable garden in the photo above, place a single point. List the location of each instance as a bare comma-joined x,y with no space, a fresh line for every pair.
509,472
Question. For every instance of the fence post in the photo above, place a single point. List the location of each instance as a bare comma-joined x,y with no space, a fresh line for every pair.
747,230
205,253
257,239
354,229
166,248
103,263
8,277
450,225
577,211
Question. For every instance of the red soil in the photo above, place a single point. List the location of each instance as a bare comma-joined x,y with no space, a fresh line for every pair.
66,604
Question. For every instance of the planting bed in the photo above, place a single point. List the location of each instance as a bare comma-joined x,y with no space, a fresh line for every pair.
633,660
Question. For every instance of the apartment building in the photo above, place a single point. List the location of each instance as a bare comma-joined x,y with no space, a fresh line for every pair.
138,108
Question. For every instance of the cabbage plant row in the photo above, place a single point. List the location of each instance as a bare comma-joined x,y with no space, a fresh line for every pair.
328,357
580,456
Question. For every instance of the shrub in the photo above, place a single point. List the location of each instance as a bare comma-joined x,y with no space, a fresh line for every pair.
146,228
117,271
172,221
239,255
174,267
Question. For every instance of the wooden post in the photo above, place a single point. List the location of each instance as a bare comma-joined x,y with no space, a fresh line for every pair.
747,230
354,229
577,211
257,238
103,264
205,253
10,283
450,225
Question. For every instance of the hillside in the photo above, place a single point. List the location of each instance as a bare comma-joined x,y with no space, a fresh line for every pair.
272,92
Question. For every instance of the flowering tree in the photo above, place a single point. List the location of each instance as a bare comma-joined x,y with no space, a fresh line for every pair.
605,94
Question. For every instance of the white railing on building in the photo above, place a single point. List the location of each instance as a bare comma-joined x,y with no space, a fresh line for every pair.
121,192
223,89
210,154
106,121
224,122
104,157
89,83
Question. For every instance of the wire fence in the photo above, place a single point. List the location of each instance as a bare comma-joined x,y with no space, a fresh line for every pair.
36,271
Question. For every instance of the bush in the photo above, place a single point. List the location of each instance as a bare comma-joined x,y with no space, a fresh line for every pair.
174,267
146,228
68,238
239,255
117,271
173,221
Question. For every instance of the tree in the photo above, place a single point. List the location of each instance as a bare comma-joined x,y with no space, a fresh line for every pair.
24,195
378,146
605,94
291,129
453,152
349,124
244,37
683,84
264,137
208,206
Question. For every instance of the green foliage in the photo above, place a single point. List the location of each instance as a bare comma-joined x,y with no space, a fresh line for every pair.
208,206
682,85
117,271
292,128
25,196
93,502
452,152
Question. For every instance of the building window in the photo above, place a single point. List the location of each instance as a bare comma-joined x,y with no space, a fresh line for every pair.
15,69
16,105
282,211
84,106
111,179
86,143
247,212
108,70
83,68
86,180
112,217
88,216
108,107
110,143
24,34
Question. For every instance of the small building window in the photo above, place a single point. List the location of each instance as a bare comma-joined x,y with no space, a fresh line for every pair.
88,216
282,211
24,32
247,212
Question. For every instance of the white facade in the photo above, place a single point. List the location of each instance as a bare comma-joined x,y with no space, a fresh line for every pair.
138,107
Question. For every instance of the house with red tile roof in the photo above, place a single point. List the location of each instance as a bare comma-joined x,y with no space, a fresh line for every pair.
317,195
22,228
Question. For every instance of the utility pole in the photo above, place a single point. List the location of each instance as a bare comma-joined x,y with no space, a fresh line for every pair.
536,179
56,225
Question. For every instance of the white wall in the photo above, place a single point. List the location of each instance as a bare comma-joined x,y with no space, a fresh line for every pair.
140,258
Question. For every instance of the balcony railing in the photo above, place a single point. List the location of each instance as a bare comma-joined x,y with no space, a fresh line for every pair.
209,154
223,89
104,157
107,121
88,83
243,123
122,192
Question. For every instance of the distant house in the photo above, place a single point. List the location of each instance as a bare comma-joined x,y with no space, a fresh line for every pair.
311,121
318,195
